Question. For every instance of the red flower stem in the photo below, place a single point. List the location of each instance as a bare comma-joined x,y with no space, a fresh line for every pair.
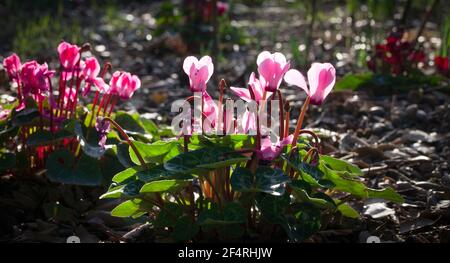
287,109
62,91
125,136
94,103
51,104
107,103
75,101
113,105
301,117
101,104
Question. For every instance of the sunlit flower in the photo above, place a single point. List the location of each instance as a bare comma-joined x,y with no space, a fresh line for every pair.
90,71
199,72
271,68
124,84
69,55
321,78
12,65
270,151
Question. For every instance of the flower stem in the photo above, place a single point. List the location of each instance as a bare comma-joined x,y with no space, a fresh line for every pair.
125,136
300,121
51,104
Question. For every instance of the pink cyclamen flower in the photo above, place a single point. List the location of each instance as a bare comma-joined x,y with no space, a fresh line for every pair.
124,84
269,151
321,78
256,87
222,8
34,77
103,127
69,55
199,72
271,68
90,71
12,65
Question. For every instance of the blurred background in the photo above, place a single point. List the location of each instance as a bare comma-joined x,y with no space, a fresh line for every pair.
151,38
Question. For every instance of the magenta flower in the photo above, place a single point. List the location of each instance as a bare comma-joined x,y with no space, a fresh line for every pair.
34,77
256,87
90,71
103,127
321,78
12,65
124,84
69,55
199,72
269,151
271,68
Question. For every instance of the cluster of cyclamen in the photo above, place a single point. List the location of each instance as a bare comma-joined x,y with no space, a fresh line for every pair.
34,80
272,68
396,55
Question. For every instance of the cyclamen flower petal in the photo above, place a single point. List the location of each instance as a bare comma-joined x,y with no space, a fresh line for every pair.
90,71
34,79
199,72
256,87
271,68
321,78
124,84
270,151
12,65
68,55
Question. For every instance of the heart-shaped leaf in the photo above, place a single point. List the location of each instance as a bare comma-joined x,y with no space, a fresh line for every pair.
152,153
203,159
266,179
163,186
62,167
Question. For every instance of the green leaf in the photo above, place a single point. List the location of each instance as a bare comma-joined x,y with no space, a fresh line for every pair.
44,137
340,165
62,167
24,117
184,229
347,211
273,208
306,221
344,182
94,151
132,208
152,153
309,173
233,213
301,191
163,186
129,122
387,194
123,155
266,179
353,81
130,189
127,173
168,216
200,160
